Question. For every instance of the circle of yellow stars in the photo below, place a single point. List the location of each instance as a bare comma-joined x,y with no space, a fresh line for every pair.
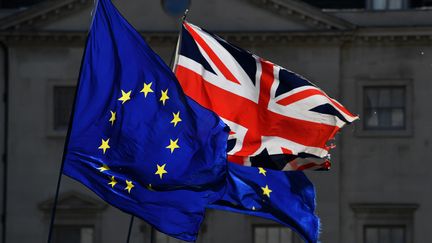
173,144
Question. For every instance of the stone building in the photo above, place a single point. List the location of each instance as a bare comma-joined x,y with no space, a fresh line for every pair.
375,56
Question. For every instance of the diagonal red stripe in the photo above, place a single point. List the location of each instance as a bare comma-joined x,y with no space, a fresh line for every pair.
218,62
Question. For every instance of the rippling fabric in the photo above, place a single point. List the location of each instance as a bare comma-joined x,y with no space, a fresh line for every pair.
286,197
136,140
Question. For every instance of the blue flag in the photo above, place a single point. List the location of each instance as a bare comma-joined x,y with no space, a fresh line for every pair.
135,139
285,197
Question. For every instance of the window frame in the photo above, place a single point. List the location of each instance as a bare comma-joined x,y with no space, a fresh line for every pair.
51,132
361,131
384,215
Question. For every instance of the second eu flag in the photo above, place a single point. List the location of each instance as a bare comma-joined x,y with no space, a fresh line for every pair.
136,140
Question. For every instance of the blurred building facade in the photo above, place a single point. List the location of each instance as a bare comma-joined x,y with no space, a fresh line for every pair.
374,56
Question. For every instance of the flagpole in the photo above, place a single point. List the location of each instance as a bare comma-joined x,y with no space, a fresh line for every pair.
130,228
174,56
60,175
54,207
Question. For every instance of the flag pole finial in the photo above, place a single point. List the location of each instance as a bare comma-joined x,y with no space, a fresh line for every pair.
185,14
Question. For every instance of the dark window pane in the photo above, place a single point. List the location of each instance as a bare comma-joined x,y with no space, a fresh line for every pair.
371,96
62,101
398,97
384,98
260,235
87,235
379,4
395,4
384,118
273,235
73,234
384,234
384,108
286,235
398,235
371,235
397,118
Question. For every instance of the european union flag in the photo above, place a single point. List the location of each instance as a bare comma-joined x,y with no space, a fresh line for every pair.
282,196
135,139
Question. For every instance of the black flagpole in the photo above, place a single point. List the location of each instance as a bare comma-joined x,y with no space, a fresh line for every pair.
54,207
130,228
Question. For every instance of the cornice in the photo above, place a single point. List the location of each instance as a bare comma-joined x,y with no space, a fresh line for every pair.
51,10
43,13
304,13
367,35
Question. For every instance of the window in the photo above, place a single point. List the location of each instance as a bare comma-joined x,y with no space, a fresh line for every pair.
274,234
384,223
60,97
384,234
73,234
78,218
63,97
384,107
387,4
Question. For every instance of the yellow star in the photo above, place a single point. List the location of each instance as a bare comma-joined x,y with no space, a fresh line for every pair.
176,118
164,96
113,182
262,171
173,145
147,89
129,186
161,170
266,191
103,168
125,96
113,117
104,146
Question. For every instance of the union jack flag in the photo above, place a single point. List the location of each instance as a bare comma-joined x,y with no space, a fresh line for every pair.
278,119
